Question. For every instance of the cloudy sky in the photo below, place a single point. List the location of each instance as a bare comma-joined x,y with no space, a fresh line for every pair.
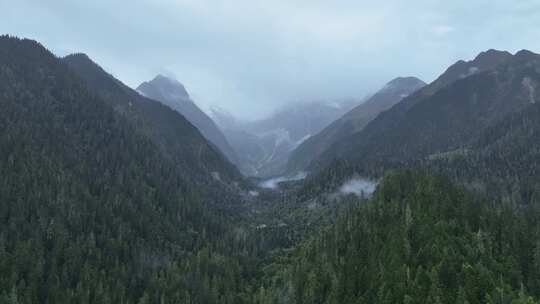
252,56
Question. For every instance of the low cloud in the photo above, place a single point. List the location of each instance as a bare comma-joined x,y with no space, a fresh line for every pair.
359,186
253,56
273,183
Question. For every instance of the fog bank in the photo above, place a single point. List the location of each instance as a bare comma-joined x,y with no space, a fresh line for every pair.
273,183
359,186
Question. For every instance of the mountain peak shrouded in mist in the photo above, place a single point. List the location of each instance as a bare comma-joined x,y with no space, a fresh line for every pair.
401,86
164,88
395,90
173,94
408,81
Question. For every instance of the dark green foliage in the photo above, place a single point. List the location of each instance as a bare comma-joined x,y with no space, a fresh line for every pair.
419,240
91,211
483,132
503,161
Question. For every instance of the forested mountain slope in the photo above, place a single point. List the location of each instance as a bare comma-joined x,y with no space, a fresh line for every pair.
480,129
441,119
107,196
178,139
419,240
90,209
504,160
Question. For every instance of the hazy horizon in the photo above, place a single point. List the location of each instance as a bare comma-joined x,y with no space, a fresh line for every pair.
251,57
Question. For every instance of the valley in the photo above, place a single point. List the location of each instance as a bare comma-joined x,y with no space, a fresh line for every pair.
138,189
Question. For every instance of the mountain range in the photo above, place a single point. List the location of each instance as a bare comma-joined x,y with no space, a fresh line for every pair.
264,145
352,122
177,138
449,114
113,195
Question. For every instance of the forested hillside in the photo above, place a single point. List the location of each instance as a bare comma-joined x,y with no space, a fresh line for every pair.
200,162
91,211
418,240
447,115
480,128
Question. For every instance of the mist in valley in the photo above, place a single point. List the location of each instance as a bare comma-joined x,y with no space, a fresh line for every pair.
257,152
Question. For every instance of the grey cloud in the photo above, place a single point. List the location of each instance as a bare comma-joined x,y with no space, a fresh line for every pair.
251,57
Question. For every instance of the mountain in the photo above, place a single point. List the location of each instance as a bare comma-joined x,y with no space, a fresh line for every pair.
172,93
448,115
353,121
103,193
107,196
177,138
502,161
263,146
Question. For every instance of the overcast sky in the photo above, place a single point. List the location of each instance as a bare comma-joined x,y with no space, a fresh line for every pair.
250,57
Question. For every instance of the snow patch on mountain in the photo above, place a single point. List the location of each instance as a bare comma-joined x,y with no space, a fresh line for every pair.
301,140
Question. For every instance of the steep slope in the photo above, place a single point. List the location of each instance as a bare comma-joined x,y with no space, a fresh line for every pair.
263,146
503,160
172,93
445,116
92,210
178,139
353,121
